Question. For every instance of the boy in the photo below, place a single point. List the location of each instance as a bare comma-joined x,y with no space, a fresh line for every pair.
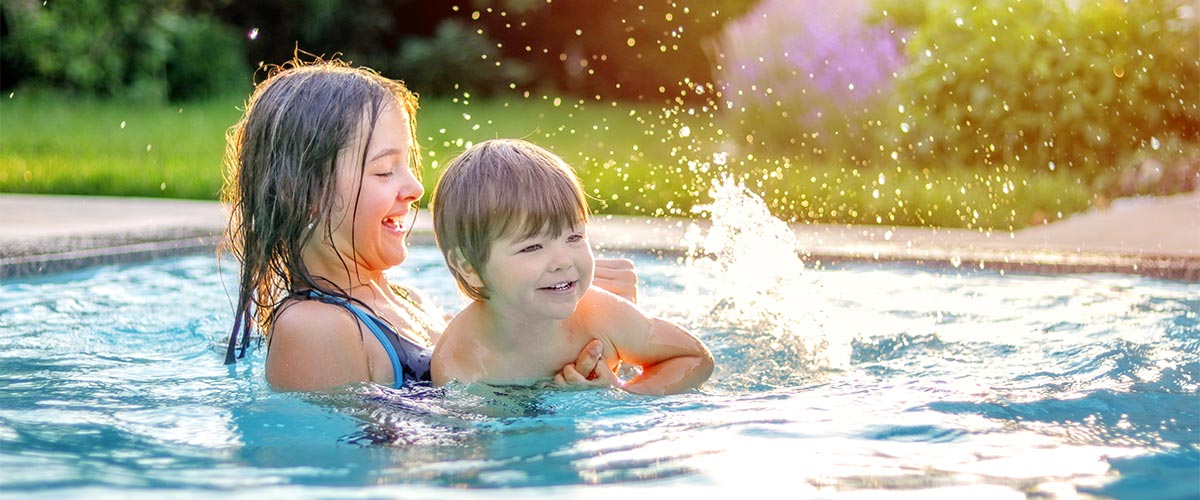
511,220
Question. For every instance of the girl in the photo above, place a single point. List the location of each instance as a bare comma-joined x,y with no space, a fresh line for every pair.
323,189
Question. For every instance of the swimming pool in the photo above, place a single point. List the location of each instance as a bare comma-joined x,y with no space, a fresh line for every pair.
861,380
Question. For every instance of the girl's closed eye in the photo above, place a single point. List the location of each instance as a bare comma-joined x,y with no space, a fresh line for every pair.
530,248
387,172
575,238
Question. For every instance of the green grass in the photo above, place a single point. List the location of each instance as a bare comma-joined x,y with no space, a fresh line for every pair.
76,145
633,159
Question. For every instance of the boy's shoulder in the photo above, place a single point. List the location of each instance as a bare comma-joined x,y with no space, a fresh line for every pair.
601,311
457,346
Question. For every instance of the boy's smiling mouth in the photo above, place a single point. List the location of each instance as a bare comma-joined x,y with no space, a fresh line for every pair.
565,286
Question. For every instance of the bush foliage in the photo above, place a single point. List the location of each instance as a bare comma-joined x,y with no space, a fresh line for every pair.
140,49
455,59
1081,85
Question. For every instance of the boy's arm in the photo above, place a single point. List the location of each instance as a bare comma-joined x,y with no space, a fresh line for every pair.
672,360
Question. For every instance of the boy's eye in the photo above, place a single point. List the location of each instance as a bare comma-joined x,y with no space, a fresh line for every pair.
530,248
575,238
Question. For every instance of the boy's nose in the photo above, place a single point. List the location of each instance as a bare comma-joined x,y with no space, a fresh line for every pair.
560,261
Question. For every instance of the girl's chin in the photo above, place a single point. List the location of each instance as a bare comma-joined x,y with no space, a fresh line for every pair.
397,257
384,260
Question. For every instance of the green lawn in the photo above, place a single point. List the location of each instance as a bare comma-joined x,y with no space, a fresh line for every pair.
633,160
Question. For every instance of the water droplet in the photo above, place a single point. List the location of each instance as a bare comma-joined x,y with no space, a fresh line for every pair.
631,42
850,86
122,123
1051,166
148,147
1118,71
958,21
253,34
1154,144
685,131
720,158
904,127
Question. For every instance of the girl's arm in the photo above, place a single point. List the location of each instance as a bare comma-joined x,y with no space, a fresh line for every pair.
617,276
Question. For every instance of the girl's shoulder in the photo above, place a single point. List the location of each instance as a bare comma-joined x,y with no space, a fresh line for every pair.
311,318
409,294
313,345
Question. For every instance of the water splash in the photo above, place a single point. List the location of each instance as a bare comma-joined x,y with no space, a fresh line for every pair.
745,277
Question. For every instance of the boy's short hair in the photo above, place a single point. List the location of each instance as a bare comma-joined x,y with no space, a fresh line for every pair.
499,188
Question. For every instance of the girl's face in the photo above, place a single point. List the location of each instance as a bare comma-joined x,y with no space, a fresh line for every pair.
374,211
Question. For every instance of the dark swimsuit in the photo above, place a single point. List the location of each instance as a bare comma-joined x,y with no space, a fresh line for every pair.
410,361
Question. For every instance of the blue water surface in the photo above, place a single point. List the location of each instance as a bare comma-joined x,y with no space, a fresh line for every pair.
848,382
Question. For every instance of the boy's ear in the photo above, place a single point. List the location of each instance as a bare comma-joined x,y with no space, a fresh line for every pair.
465,269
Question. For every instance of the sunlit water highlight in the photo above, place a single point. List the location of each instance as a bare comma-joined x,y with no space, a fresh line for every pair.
879,381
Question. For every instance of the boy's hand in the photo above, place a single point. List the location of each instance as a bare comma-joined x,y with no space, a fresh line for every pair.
588,370
617,276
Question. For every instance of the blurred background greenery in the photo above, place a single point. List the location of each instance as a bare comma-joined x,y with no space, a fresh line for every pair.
991,115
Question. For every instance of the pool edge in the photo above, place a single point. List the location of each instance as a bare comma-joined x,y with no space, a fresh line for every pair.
43,234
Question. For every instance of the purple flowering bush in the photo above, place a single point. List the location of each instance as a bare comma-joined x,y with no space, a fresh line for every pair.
803,77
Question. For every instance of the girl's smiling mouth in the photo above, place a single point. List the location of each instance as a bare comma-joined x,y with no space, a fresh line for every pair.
396,224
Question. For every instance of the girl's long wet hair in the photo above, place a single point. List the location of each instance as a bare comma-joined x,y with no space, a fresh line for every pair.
280,178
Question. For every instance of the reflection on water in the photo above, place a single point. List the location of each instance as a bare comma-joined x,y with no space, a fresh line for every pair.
860,380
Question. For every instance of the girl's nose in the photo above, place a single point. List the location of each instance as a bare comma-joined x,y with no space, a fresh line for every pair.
411,189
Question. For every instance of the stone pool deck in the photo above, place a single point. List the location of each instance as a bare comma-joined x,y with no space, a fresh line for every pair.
1157,237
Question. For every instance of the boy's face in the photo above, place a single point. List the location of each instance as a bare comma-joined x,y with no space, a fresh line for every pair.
540,277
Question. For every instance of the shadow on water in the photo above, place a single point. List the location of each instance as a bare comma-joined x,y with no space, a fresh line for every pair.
1171,474
473,437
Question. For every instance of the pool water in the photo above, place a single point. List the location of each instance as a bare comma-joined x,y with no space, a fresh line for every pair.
838,382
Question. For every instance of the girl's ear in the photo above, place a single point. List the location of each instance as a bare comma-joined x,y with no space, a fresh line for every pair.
465,269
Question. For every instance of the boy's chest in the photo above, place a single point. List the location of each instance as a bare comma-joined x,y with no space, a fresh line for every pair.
546,360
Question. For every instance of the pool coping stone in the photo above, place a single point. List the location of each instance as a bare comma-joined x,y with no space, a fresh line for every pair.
1156,237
